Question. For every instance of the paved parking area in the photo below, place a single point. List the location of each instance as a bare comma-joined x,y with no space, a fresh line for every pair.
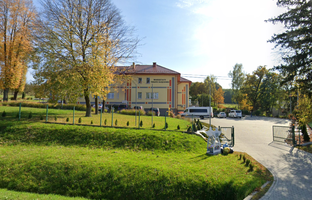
292,168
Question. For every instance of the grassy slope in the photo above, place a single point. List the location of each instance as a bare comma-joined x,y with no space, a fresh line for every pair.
116,164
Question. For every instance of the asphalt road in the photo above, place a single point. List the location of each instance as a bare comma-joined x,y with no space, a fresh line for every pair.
292,168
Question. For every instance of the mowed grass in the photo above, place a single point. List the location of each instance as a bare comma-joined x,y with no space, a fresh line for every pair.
110,163
108,119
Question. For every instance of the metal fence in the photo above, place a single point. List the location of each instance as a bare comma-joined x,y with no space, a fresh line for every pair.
281,134
286,134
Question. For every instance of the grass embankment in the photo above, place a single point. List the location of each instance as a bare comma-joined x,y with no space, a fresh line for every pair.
109,163
107,118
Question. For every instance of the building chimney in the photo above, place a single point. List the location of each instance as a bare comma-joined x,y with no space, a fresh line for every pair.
154,64
133,64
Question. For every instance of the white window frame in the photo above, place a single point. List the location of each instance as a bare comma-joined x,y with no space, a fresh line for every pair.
149,95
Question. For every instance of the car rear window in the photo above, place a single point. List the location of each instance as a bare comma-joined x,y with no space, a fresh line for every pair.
238,111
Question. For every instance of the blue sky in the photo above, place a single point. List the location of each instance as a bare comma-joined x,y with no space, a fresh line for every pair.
203,37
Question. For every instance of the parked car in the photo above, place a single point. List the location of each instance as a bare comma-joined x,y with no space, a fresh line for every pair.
235,113
156,111
222,115
138,107
122,106
99,106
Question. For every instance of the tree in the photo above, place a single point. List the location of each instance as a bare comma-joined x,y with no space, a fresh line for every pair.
197,88
270,90
219,96
210,83
79,43
17,18
238,78
252,86
296,42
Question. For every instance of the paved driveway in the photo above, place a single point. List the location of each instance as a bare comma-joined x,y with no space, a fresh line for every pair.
292,168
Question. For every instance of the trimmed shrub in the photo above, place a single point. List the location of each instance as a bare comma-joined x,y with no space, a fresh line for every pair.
23,95
154,125
244,158
251,166
116,122
178,116
128,123
91,121
55,118
194,127
247,162
141,123
150,113
132,112
67,119
178,127
41,117
171,114
105,121
189,129
3,113
240,156
79,120
30,115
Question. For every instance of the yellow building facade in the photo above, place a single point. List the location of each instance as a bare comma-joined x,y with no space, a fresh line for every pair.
150,86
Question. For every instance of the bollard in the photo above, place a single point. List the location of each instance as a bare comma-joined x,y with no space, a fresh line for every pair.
74,116
47,113
19,112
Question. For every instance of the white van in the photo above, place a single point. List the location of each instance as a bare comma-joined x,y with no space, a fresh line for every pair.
235,113
200,112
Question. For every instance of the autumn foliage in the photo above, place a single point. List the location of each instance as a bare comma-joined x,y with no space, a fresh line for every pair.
16,22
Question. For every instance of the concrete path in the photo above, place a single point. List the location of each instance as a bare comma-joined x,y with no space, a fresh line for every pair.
292,168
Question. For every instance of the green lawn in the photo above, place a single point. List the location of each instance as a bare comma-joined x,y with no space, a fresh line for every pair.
62,115
114,163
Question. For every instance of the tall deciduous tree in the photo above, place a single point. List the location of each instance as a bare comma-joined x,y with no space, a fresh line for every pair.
296,42
210,83
252,86
238,78
80,41
17,19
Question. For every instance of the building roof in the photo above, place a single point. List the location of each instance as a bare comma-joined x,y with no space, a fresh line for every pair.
148,70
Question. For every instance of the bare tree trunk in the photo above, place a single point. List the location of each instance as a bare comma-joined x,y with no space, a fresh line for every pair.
96,105
88,103
15,95
6,94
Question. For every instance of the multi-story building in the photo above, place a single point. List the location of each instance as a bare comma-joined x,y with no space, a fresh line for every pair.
150,86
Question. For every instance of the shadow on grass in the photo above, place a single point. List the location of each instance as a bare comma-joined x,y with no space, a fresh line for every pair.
201,157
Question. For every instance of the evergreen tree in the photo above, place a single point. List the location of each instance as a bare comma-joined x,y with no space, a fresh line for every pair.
296,42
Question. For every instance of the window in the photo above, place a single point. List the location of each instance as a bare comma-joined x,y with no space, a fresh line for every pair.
139,95
148,80
139,80
110,95
149,95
